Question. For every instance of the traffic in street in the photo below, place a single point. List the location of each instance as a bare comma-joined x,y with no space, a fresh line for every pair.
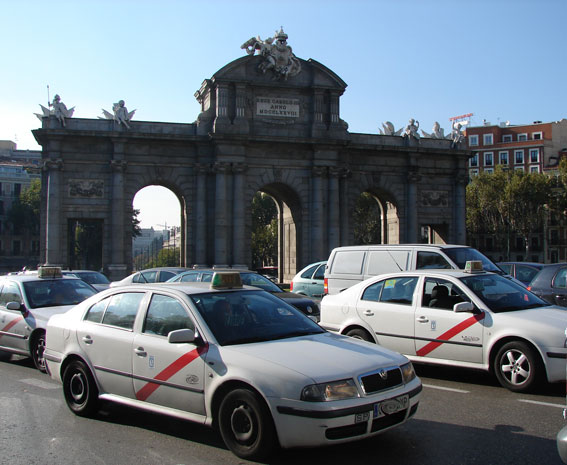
464,417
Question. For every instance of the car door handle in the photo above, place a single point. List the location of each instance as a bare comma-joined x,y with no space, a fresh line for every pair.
368,312
140,352
422,319
87,340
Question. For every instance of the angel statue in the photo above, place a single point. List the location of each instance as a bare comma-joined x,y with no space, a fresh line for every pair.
456,135
388,129
121,114
411,129
438,132
59,110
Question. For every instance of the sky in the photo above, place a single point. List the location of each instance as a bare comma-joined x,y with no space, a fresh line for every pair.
502,60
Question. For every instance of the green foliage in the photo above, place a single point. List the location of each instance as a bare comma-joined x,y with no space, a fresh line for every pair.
24,213
264,241
136,230
509,203
366,218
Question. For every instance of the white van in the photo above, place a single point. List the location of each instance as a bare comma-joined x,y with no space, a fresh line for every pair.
349,265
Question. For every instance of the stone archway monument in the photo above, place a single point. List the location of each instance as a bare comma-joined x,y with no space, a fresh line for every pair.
269,122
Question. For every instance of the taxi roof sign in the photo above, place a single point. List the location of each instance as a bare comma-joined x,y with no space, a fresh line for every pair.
49,272
226,280
473,266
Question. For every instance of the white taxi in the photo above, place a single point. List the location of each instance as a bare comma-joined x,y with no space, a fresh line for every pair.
469,319
230,356
27,301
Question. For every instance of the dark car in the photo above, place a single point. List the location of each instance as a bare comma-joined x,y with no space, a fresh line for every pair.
551,284
97,280
151,275
522,271
251,278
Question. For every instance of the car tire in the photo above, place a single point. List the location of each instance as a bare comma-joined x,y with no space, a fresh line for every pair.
517,367
359,333
79,389
37,349
246,425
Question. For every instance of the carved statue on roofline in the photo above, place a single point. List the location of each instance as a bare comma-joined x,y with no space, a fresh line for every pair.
120,113
56,108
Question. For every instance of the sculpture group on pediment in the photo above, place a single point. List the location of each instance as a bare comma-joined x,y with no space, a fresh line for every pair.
411,131
389,130
278,56
56,108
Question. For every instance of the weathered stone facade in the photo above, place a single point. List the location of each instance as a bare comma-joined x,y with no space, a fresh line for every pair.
254,133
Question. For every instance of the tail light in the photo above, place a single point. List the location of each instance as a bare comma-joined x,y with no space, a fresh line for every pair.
529,288
291,286
325,286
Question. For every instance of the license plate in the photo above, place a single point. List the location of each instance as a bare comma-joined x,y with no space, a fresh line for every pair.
387,407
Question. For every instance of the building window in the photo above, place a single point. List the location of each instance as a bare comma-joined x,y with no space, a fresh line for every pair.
534,169
537,135
519,157
503,158
473,173
473,139
17,190
534,155
489,170
507,138
474,160
519,168
487,139
488,159
522,137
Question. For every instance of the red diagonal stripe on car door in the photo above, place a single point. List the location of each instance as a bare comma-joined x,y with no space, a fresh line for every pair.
12,323
450,333
170,370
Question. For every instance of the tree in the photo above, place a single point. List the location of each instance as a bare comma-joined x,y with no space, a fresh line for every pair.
264,241
367,218
24,213
136,230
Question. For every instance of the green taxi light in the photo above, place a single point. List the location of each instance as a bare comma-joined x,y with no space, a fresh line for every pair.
226,280
473,266
49,272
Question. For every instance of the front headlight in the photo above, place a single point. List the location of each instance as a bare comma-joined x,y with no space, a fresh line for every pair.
335,390
408,373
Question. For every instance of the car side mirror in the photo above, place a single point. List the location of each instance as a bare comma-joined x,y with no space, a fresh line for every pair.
180,336
15,306
463,307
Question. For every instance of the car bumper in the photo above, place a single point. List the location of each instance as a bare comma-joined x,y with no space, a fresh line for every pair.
305,424
53,362
556,360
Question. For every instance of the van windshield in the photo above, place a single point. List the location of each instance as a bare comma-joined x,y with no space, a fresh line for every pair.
461,255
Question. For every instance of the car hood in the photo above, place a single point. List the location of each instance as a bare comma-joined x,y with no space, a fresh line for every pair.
44,313
321,357
552,315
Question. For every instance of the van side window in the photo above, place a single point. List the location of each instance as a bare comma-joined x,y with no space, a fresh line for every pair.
431,260
387,261
348,262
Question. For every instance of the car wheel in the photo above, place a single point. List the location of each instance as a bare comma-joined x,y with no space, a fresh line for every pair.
79,389
37,349
517,367
246,425
358,333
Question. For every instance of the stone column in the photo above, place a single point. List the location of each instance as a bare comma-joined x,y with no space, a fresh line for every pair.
221,215
459,209
317,219
334,208
52,217
411,208
119,228
239,258
201,239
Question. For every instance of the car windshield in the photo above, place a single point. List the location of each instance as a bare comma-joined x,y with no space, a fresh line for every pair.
461,255
502,295
244,317
56,292
257,280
